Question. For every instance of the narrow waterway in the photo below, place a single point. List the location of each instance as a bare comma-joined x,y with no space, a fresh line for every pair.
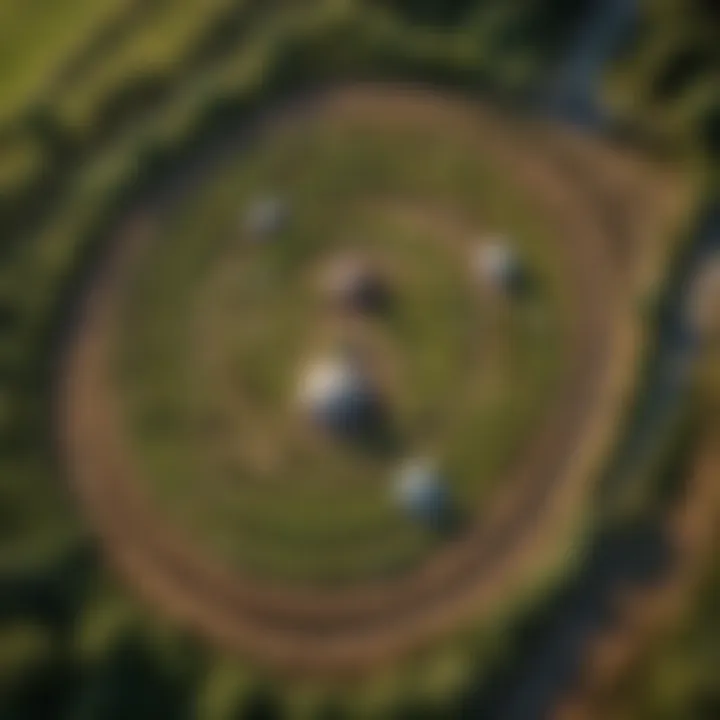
629,555
573,93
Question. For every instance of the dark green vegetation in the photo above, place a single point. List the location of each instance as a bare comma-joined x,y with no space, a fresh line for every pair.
665,84
97,99
675,676
674,673
219,330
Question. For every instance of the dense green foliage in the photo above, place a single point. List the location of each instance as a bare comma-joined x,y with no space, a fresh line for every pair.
675,677
666,82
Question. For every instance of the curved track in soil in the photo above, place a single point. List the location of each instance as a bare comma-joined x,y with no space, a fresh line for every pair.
344,630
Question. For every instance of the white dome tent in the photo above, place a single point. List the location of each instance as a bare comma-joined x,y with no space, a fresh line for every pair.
420,491
265,217
336,393
496,263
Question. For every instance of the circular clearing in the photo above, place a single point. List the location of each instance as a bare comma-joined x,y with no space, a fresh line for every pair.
217,332
219,499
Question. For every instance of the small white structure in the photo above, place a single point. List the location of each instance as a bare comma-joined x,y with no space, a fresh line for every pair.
265,217
337,394
352,283
420,490
496,263
703,311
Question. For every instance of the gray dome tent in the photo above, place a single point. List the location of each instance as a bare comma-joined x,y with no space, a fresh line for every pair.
351,282
265,217
420,490
496,264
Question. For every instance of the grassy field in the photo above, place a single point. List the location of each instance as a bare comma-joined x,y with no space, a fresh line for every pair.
217,329
38,38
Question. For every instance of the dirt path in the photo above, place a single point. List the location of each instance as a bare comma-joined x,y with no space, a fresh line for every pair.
642,614
344,630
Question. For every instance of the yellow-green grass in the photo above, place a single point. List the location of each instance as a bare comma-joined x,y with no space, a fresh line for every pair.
21,160
215,331
37,38
153,48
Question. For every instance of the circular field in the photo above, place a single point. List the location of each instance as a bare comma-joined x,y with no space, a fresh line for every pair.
217,329
215,492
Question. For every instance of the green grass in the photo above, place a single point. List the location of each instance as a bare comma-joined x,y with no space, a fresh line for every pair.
215,332
37,38
154,48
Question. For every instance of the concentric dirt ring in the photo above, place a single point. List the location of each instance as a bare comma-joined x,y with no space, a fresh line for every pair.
337,631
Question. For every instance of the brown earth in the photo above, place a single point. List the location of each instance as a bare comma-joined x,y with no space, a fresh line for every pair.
344,630
646,613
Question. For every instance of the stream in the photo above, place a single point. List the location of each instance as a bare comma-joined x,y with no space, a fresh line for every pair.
626,556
